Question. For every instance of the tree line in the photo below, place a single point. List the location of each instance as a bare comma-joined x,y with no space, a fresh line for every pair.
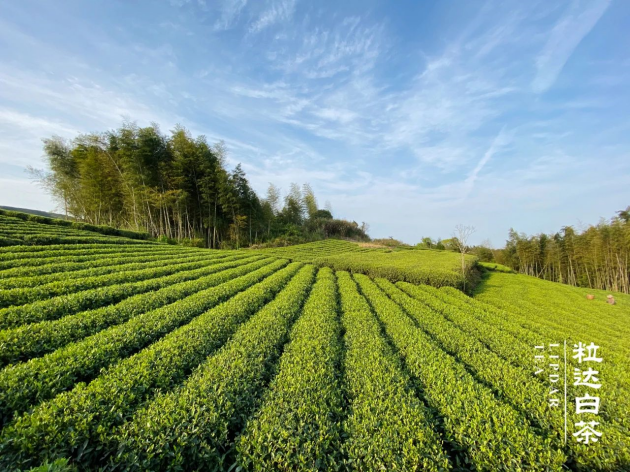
597,257
178,188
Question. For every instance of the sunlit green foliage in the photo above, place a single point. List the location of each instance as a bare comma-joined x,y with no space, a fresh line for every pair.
298,426
437,268
154,357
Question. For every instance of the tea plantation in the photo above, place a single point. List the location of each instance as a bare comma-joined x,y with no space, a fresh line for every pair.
117,353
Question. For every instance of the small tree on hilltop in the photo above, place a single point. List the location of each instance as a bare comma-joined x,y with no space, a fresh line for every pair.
460,241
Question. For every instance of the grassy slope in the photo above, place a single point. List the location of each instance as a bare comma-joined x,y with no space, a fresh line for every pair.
497,283
562,310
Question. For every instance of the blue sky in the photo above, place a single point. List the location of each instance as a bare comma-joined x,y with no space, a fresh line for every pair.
412,116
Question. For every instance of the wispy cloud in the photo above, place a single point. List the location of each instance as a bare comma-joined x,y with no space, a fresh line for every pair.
34,124
276,12
346,46
394,123
21,134
565,36
500,140
229,13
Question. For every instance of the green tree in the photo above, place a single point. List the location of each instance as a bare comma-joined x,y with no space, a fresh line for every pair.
176,186
293,211
310,202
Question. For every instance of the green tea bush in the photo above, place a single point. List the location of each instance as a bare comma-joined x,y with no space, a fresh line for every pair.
299,424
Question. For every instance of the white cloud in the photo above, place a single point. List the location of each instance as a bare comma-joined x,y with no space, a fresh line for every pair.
66,107
85,102
229,13
278,11
351,45
449,101
568,32
339,115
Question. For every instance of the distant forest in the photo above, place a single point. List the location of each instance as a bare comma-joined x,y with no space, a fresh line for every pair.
177,188
597,257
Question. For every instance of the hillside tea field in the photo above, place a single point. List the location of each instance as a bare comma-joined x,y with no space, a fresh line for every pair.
437,268
122,354
20,228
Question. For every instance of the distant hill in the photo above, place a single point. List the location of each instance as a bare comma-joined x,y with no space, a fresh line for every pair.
34,212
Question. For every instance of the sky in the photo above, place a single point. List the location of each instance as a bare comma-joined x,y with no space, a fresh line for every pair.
413,116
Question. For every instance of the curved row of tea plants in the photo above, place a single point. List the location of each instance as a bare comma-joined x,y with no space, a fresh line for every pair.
93,258
36,339
27,252
42,222
22,385
65,305
298,426
480,427
388,427
195,426
23,295
117,265
90,414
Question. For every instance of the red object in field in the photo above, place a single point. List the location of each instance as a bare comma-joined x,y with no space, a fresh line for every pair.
590,297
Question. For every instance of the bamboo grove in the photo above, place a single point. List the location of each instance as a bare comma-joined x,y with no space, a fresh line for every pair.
176,187
598,257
